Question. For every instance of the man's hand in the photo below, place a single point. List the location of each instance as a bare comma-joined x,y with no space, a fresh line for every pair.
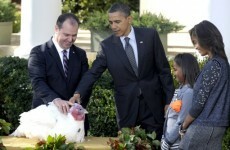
62,105
75,98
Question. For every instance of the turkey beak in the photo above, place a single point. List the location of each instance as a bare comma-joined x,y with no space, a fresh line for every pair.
85,111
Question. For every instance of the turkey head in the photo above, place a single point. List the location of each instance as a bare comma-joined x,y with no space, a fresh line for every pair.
78,112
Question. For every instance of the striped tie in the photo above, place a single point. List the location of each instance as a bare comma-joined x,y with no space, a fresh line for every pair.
65,62
130,55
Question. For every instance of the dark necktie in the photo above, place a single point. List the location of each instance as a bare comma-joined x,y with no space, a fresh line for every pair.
65,62
130,55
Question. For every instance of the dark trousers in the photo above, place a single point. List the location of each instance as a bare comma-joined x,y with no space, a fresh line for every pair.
146,119
86,124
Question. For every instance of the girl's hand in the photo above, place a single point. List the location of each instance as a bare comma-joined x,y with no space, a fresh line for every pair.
164,145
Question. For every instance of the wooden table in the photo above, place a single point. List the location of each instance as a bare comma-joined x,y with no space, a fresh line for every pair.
90,143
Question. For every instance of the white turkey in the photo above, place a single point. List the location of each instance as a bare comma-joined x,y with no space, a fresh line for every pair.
48,120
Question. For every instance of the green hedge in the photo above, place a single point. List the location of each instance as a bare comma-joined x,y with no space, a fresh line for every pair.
102,116
226,140
16,97
15,89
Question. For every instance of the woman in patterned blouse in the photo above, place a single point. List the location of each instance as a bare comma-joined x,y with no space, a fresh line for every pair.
208,118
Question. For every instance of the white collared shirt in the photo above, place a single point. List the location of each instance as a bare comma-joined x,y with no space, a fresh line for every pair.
132,42
60,51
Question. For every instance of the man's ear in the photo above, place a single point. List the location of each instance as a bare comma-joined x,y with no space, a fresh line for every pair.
130,19
56,29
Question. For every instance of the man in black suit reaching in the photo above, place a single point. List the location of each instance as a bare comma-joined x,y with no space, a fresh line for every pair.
137,63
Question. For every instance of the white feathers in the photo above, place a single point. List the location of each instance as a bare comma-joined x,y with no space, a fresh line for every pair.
48,120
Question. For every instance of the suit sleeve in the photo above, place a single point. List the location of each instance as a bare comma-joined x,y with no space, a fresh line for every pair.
163,69
85,68
210,77
92,75
84,63
37,73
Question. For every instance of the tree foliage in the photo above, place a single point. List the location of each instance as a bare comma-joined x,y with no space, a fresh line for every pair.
84,8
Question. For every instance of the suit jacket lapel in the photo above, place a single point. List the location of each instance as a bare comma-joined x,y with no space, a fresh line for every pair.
120,52
73,59
140,49
53,52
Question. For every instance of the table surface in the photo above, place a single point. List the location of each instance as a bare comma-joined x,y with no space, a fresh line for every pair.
90,143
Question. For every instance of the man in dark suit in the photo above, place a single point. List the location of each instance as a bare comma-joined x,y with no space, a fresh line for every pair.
55,75
142,91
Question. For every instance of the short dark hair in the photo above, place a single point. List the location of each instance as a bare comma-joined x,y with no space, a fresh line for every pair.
189,66
120,7
209,37
63,17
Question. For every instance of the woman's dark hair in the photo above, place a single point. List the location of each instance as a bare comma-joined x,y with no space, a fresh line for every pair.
120,7
189,66
63,17
209,37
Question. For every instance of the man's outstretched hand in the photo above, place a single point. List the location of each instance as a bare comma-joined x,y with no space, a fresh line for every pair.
76,98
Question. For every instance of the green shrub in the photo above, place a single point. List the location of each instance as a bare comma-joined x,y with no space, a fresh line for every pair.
4,127
102,115
134,138
57,142
98,21
84,8
15,89
159,22
7,11
4,130
226,140
17,22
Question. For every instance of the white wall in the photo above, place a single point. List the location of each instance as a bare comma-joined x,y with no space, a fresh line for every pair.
220,16
186,12
38,19
191,12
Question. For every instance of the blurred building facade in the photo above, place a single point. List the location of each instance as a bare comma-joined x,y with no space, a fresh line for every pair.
191,12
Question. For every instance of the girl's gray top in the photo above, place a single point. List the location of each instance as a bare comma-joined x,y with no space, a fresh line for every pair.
174,119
